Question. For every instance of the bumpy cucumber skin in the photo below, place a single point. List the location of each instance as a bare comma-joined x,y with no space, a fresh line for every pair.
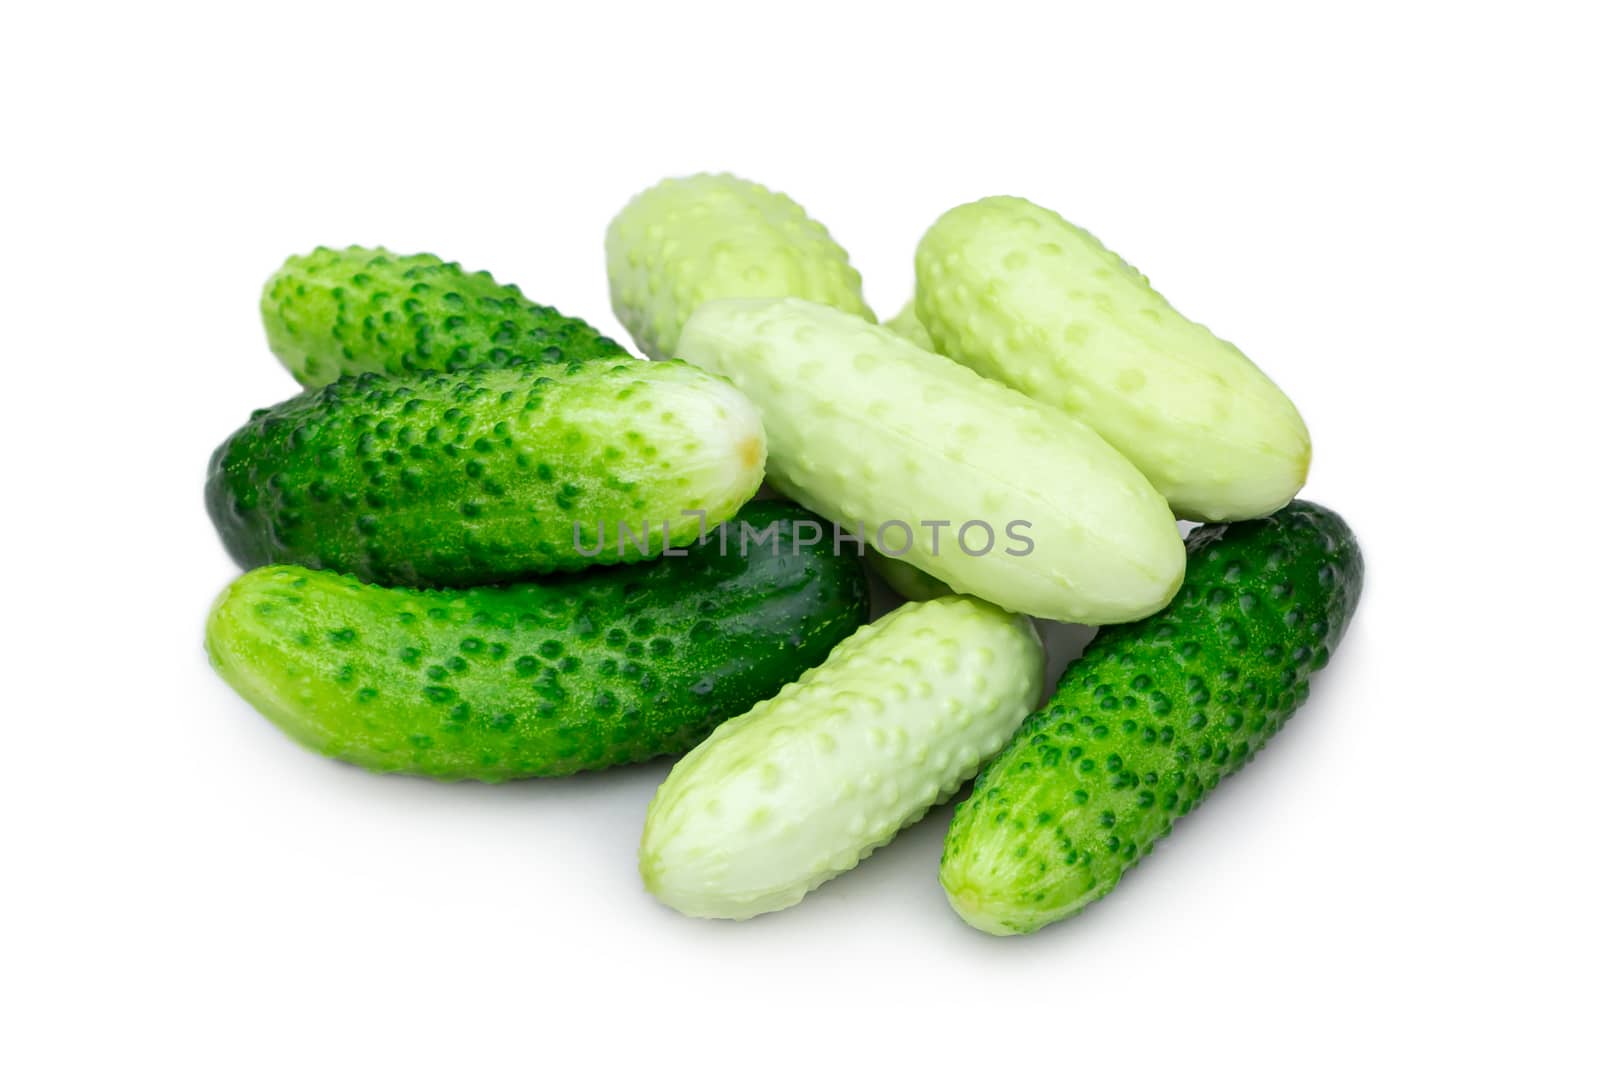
353,310
868,429
807,784
1019,294
479,475
907,325
1143,727
685,241
611,666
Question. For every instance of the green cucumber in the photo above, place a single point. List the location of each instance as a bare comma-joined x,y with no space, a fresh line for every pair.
1019,294
1143,727
805,785
488,474
879,435
907,325
685,241
614,665
354,310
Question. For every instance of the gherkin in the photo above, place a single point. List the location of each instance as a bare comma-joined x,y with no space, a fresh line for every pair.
1020,295
1156,712
352,310
576,672
489,474
686,241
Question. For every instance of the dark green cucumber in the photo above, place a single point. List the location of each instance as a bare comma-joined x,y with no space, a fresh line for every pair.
614,665
1151,718
481,475
354,310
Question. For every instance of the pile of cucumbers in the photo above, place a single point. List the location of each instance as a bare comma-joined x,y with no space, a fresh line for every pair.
487,542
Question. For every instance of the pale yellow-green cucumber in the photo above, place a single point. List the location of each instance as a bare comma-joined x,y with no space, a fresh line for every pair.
685,241
993,493
1019,294
806,784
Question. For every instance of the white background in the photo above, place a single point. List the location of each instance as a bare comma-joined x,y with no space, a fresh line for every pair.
1391,207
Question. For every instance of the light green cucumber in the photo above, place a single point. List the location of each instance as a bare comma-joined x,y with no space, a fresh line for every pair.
803,786
1019,294
489,474
352,310
688,240
907,325
1040,515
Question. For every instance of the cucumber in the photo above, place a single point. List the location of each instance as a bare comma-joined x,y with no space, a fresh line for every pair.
1155,713
353,310
688,240
907,325
1019,294
805,785
879,435
614,665
905,579
488,474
